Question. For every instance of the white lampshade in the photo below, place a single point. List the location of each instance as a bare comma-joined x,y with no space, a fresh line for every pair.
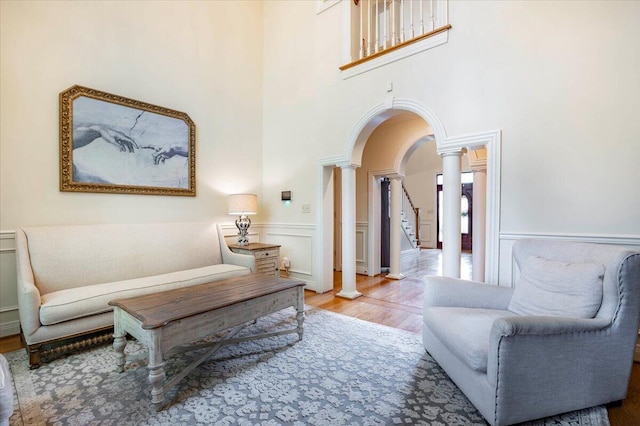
243,204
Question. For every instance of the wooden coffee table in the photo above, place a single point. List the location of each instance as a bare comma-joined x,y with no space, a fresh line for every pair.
167,323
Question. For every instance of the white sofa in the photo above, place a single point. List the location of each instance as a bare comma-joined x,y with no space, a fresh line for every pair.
68,274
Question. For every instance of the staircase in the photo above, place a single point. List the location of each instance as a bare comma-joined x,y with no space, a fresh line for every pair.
410,219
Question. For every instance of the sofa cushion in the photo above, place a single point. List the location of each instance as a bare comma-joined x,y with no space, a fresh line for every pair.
79,302
553,288
464,331
63,257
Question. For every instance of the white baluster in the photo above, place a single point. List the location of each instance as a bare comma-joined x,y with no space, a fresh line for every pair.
401,21
422,16
386,25
433,19
361,40
369,27
411,15
393,22
377,27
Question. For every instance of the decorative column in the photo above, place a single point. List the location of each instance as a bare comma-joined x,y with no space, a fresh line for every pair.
478,164
396,225
452,193
349,290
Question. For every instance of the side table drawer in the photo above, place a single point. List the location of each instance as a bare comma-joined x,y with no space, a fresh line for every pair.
263,254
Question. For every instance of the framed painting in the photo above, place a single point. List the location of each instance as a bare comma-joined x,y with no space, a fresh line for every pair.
113,144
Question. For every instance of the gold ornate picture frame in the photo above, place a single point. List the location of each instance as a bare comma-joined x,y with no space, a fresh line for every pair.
113,144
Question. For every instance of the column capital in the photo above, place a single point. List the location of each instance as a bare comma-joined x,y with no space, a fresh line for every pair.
395,176
347,165
452,152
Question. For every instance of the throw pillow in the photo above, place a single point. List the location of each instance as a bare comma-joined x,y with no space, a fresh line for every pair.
553,288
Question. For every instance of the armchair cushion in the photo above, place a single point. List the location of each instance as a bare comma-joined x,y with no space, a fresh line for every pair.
465,331
554,288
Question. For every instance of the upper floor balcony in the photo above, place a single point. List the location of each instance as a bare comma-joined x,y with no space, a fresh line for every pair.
384,31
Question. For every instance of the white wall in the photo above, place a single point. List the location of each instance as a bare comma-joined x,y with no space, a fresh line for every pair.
560,82
193,57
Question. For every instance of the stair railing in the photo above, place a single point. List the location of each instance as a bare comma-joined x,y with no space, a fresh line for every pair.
411,213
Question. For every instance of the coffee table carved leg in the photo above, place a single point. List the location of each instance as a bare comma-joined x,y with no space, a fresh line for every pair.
300,314
119,342
156,377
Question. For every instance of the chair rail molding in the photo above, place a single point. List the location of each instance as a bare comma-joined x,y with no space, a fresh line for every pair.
508,272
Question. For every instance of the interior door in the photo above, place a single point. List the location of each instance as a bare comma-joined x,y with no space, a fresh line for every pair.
337,219
466,215
385,224
466,211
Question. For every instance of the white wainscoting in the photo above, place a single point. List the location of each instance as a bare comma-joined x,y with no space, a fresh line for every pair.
296,243
427,233
362,244
508,271
9,322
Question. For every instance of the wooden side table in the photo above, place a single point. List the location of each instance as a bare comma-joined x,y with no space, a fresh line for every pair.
267,256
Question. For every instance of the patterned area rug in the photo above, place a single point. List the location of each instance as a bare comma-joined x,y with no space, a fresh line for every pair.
344,372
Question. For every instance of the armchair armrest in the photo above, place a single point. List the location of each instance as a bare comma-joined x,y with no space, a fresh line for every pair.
232,258
446,291
562,353
538,325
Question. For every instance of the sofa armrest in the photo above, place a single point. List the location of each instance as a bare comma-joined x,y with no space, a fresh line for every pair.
28,294
446,291
232,258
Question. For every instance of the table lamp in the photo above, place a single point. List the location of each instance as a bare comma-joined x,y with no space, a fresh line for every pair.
243,205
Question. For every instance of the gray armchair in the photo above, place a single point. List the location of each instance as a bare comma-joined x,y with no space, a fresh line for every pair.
560,340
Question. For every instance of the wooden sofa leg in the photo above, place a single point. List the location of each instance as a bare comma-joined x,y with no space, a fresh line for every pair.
33,351
34,356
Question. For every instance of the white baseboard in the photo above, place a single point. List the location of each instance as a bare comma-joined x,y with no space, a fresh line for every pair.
9,328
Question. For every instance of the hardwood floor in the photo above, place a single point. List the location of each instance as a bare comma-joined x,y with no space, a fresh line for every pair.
398,304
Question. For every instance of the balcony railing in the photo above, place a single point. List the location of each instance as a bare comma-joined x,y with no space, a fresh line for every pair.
382,26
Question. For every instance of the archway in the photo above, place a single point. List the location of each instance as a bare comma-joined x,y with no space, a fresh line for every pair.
352,157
